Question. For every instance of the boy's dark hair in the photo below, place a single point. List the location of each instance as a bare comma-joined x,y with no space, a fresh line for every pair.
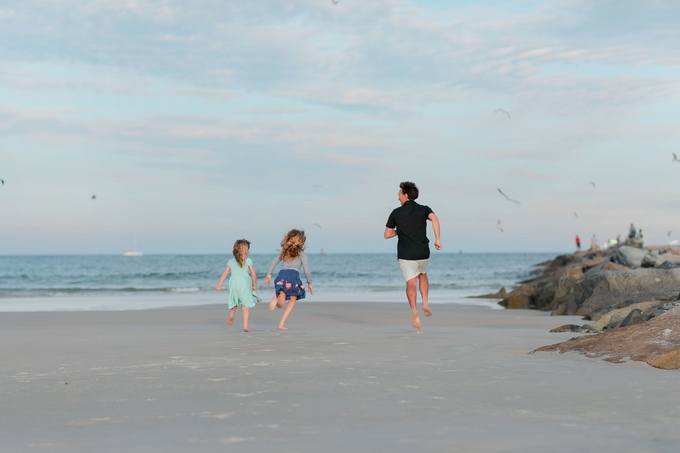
410,189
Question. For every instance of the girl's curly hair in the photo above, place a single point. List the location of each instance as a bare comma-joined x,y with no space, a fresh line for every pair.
292,245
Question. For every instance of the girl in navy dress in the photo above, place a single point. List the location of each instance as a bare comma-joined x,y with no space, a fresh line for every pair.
287,284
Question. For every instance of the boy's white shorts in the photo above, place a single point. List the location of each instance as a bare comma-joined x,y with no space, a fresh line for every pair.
412,268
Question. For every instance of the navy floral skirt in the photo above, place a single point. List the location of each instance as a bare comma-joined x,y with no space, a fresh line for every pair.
289,282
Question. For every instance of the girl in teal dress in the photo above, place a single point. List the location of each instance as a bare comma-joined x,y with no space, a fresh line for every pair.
242,284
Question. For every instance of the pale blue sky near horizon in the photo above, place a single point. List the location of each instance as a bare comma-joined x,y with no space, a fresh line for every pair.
196,124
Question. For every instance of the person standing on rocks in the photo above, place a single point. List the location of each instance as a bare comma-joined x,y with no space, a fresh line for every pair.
409,223
578,243
593,244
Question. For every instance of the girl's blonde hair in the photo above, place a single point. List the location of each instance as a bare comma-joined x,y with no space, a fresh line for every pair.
241,248
292,245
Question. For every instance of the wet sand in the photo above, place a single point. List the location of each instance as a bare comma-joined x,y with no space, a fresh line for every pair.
346,377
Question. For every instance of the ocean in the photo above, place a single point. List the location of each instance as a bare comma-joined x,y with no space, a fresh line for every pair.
108,282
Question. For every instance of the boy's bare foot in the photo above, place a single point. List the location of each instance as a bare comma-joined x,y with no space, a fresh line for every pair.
415,321
230,321
245,329
427,311
283,328
273,303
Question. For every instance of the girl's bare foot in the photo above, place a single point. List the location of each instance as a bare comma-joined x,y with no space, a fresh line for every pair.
245,329
427,311
279,304
415,321
230,321
283,328
274,303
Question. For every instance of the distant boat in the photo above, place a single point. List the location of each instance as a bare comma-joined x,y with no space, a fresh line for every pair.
134,251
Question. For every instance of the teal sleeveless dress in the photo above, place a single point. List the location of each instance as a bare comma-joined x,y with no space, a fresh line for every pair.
241,285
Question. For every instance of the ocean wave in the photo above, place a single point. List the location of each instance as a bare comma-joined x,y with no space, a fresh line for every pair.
185,290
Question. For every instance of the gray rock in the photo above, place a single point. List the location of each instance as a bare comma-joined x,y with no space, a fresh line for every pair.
565,286
629,256
610,287
668,258
634,317
670,307
649,260
667,265
575,328
600,312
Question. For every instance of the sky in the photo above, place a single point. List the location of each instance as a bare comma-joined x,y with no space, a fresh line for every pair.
196,123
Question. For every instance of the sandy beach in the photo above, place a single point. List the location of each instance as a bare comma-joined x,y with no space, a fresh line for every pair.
345,377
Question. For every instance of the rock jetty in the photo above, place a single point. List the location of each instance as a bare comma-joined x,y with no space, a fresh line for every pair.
628,293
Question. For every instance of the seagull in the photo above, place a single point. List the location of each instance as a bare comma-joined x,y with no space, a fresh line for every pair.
576,215
592,184
669,233
499,226
675,158
316,224
3,181
335,2
502,111
508,198
317,185
94,197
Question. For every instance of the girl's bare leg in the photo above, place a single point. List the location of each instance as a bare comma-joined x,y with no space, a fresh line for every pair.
287,312
232,312
277,301
246,312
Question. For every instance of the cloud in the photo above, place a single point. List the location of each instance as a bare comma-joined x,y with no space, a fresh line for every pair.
379,57
6,14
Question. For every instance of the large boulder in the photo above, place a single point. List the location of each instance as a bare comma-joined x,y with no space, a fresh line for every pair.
604,288
656,342
629,256
522,297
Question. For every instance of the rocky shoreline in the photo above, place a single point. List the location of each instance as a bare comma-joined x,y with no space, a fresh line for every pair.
626,292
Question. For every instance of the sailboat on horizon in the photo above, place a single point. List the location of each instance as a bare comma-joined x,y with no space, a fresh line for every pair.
134,251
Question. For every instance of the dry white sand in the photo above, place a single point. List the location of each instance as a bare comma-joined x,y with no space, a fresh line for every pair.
345,378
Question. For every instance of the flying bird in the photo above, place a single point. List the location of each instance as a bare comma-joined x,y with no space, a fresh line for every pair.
94,197
508,198
499,226
669,233
576,215
335,2
3,181
504,112
675,158
592,184
316,224
317,186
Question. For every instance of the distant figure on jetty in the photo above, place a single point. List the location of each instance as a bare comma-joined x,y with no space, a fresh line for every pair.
593,244
578,243
409,223
634,238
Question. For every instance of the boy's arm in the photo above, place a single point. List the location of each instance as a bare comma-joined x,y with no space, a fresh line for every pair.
389,233
222,278
435,227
